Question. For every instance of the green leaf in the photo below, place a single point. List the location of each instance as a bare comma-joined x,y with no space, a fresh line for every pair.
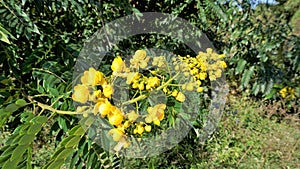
12,108
4,38
62,123
4,158
21,102
72,142
3,116
247,76
18,152
26,139
271,94
74,129
64,154
240,66
66,140
39,119
55,164
10,164
35,128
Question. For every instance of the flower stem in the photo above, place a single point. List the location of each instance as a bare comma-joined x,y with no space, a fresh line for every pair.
46,107
168,82
141,97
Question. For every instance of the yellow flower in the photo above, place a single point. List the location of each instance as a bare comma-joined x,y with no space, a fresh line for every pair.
156,122
158,61
139,59
222,56
202,76
105,108
97,105
140,129
132,76
126,124
81,93
148,128
95,96
116,117
92,77
180,97
166,90
108,90
132,116
141,86
212,77
194,71
135,84
223,64
155,113
116,134
218,73
118,65
152,82
198,82
174,93
189,86
209,51
200,89
139,54
283,92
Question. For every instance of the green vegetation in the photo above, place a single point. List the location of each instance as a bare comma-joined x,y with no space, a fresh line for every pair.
40,41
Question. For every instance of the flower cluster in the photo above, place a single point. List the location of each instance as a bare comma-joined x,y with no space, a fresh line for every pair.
143,74
287,92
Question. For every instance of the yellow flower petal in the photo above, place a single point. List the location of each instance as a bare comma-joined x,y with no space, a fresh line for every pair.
148,128
132,116
115,119
180,97
108,90
92,77
118,65
81,93
105,109
116,134
140,129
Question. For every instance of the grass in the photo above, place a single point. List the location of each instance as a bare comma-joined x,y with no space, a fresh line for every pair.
250,135
246,138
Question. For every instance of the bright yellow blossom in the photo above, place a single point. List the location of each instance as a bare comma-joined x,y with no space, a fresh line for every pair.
116,134
105,108
200,89
148,128
174,93
152,82
283,92
116,117
180,97
209,51
139,59
132,116
202,76
155,114
126,124
139,128
158,61
132,76
118,65
141,86
108,90
92,77
81,93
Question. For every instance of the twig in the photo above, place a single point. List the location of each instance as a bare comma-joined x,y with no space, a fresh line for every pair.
244,155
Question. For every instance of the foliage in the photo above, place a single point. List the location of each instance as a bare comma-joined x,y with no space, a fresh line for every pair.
41,39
